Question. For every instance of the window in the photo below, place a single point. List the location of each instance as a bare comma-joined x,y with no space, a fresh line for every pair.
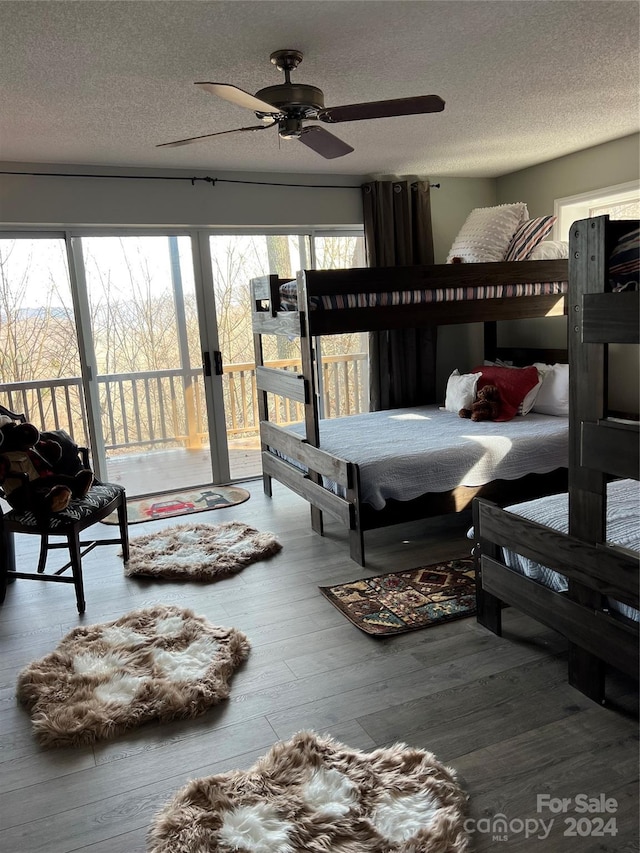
620,202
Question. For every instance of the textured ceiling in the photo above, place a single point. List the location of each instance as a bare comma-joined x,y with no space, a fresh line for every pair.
101,83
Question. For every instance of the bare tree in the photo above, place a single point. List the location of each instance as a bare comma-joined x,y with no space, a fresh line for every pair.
133,319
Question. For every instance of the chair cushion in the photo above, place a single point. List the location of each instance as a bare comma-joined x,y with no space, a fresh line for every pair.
99,496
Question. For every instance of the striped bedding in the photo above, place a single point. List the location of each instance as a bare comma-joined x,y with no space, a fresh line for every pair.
623,501
289,295
624,263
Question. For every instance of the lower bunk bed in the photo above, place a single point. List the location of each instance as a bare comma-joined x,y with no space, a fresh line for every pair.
525,558
384,468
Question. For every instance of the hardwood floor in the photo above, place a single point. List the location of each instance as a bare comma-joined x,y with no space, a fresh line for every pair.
498,710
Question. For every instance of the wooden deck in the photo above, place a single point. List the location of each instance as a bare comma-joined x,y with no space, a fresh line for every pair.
165,470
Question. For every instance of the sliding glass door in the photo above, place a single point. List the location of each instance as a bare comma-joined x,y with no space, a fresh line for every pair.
235,260
144,326
139,343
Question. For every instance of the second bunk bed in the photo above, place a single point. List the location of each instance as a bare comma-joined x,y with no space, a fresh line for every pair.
402,481
572,561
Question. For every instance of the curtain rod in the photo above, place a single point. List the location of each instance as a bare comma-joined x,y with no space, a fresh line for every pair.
206,179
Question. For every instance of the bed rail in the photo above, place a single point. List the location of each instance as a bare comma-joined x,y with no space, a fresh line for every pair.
607,570
309,460
611,447
611,318
431,276
315,284
598,633
284,383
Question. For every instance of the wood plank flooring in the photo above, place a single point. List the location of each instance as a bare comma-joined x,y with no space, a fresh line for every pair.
498,710
164,470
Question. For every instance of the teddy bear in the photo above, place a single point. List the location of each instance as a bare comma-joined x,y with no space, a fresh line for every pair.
486,406
33,473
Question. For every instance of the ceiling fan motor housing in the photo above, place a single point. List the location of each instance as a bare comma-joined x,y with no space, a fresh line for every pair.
296,100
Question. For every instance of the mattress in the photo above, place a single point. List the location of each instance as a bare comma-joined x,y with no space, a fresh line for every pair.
405,453
623,528
289,295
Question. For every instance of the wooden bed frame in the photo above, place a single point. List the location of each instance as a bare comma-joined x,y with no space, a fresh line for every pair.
602,447
307,323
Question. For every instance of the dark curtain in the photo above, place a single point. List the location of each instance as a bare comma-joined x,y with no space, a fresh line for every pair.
397,227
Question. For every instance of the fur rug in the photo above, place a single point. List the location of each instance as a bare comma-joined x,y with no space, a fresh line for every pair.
315,795
200,552
159,663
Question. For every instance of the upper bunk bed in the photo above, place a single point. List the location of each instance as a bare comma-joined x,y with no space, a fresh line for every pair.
573,561
330,302
318,466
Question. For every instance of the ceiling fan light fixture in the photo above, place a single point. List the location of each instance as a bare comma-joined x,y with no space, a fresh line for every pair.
290,128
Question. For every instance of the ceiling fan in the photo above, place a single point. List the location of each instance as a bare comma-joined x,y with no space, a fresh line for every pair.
288,106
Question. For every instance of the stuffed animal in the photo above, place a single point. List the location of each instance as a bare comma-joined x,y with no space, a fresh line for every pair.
32,470
486,406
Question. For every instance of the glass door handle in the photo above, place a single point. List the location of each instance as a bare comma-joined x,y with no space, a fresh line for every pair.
217,363
206,364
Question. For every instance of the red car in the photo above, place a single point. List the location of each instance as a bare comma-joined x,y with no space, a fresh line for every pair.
169,508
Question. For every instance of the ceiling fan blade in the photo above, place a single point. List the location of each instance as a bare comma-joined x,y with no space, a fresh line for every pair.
383,109
324,143
239,97
191,139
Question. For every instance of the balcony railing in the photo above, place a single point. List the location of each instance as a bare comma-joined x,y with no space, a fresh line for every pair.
166,408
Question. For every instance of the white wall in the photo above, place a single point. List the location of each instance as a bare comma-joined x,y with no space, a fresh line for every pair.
606,165
109,201
26,200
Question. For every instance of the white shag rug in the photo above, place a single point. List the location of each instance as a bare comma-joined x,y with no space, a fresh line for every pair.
200,552
158,663
314,795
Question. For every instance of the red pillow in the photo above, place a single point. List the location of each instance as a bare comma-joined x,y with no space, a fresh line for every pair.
514,385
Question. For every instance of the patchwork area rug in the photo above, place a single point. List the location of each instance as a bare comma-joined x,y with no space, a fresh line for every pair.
182,502
405,601
316,795
198,552
159,663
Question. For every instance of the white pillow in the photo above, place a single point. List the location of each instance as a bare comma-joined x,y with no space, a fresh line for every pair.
529,401
461,391
549,250
553,396
487,232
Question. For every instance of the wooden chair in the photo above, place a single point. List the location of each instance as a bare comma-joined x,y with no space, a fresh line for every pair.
101,500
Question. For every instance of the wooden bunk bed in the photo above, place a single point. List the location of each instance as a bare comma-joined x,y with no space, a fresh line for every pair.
597,609
325,306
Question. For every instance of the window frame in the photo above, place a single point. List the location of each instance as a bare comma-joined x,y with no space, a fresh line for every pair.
574,207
